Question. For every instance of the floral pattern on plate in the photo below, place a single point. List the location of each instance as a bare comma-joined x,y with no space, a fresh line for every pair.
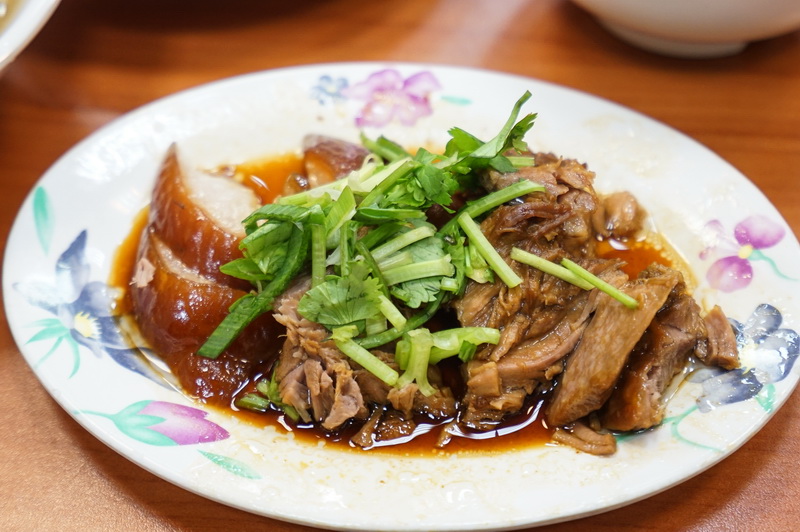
58,307
85,317
767,353
750,236
83,310
386,95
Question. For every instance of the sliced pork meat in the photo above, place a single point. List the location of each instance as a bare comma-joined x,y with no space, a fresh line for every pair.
676,332
555,173
594,366
542,319
545,224
179,309
394,425
496,388
199,217
584,438
326,159
313,376
722,350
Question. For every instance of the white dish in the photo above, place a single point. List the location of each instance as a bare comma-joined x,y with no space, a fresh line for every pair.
695,28
24,22
83,207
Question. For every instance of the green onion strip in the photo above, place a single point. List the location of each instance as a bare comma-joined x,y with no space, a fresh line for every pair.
490,255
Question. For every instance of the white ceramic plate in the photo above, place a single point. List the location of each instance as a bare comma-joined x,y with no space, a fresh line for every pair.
24,20
61,247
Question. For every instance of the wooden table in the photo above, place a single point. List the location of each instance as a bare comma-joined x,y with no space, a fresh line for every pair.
97,59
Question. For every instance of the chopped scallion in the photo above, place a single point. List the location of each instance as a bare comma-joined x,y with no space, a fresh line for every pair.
421,342
343,337
254,402
492,257
612,291
250,307
391,312
402,240
412,323
495,199
419,270
550,267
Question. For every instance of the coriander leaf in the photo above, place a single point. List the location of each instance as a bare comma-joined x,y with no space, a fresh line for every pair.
416,292
437,184
509,134
342,301
461,143
420,281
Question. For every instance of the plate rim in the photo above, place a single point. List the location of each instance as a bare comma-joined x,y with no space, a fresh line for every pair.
164,101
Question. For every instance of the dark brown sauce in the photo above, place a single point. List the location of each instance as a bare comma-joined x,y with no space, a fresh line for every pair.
124,261
528,428
266,177
637,255
519,431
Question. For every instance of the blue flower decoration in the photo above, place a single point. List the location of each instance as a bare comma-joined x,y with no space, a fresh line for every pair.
83,313
767,353
329,89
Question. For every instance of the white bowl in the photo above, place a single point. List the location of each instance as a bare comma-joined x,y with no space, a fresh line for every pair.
695,28
26,18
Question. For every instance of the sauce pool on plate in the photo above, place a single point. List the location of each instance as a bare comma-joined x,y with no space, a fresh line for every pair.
267,178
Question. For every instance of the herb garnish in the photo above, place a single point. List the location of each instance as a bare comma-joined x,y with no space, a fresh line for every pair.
375,286
379,270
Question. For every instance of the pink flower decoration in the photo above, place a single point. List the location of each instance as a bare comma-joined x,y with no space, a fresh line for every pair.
164,424
182,424
735,271
730,273
389,97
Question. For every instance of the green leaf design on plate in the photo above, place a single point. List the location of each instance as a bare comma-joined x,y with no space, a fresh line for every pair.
53,329
766,398
135,424
457,100
43,217
675,421
233,466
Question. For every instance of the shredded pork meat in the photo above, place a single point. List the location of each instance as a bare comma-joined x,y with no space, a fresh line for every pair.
602,366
